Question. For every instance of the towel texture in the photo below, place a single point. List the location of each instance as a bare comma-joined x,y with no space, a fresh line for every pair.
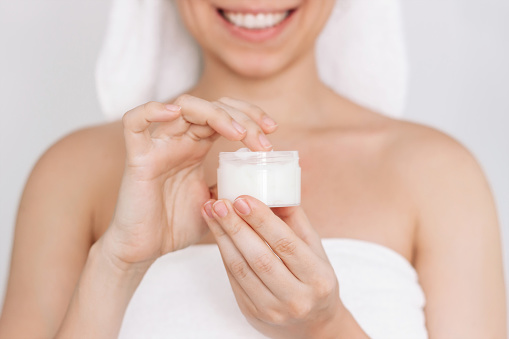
187,294
360,55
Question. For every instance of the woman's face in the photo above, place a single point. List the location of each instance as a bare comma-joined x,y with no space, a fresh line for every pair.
255,38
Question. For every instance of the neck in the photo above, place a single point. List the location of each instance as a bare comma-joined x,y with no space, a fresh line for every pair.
288,96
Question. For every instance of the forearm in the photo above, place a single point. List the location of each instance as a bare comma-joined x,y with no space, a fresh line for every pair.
101,297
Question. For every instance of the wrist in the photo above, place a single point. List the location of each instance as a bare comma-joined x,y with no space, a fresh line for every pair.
101,252
340,325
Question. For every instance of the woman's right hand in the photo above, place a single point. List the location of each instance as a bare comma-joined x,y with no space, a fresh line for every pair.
163,187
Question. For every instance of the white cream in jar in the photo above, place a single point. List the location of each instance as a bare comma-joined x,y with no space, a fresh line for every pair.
271,177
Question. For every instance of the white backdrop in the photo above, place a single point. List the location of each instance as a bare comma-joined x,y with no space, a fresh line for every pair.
459,55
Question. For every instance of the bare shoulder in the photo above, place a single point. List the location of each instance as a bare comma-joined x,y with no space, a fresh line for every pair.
428,154
83,151
444,180
424,160
80,162
85,168
432,164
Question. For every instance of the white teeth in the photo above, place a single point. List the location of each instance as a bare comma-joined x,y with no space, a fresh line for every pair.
258,21
249,21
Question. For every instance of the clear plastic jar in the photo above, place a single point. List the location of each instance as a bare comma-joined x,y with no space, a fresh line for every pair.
271,177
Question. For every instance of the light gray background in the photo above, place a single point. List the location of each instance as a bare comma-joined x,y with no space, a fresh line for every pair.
459,54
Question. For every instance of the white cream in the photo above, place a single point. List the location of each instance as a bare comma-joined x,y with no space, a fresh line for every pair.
271,177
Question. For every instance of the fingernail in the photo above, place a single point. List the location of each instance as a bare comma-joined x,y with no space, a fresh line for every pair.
238,127
267,121
220,209
264,141
208,209
173,108
242,206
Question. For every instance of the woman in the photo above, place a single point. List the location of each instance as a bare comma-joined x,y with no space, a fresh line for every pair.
104,203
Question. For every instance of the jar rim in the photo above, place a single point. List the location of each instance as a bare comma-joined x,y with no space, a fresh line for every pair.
259,157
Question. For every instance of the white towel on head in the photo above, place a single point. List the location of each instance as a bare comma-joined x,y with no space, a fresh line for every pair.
360,55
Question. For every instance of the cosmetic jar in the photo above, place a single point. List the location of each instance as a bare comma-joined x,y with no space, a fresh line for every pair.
271,177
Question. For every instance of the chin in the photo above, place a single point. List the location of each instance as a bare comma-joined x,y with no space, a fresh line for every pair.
255,66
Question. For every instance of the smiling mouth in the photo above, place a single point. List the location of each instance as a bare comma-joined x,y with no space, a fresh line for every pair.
255,21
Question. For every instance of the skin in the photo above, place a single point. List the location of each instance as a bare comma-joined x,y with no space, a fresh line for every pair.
104,202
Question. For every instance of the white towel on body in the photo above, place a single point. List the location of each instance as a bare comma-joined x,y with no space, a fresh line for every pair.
187,294
360,55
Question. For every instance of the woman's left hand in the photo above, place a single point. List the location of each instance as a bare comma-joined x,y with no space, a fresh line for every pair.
289,290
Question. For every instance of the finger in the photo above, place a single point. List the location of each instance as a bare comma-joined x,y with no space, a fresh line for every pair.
246,304
137,121
267,266
298,221
256,309
267,124
199,132
201,112
243,279
255,138
300,259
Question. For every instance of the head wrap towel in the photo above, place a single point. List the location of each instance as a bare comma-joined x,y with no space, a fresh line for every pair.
360,55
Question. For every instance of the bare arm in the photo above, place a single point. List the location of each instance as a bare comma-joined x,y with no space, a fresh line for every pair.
101,296
458,254
52,239
52,261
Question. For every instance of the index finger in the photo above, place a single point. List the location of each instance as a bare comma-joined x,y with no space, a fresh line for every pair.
201,112
254,112
137,121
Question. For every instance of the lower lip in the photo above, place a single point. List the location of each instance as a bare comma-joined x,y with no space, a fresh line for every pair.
257,35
